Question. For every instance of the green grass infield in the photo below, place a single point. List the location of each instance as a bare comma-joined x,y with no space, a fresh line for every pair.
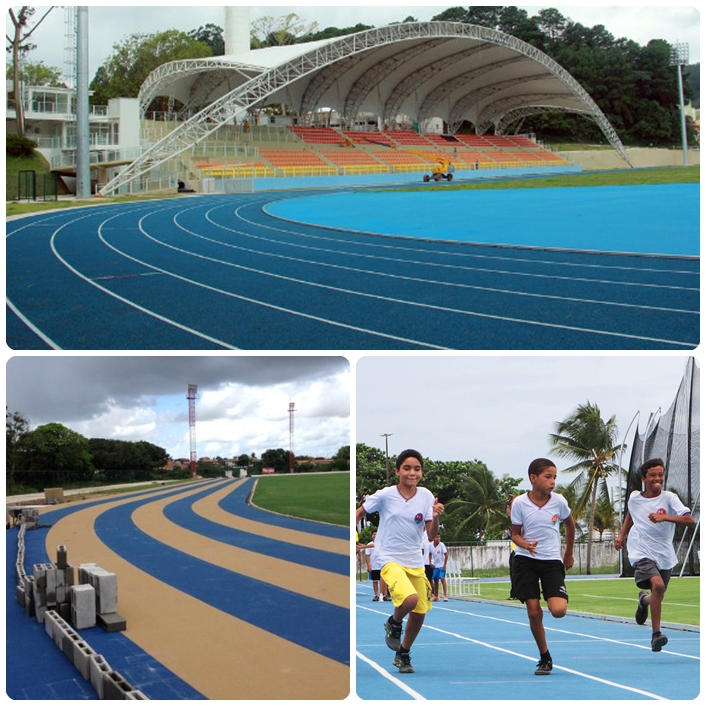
323,497
618,597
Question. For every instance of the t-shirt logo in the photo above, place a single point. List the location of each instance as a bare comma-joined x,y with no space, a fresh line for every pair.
661,511
418,518
554,519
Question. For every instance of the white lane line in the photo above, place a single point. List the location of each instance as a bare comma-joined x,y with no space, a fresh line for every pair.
533,659
123,299
432,307
407,278
32,327
397,682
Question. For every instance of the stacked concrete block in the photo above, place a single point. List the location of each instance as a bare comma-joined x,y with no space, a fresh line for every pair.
105,584
51,596
30,518
82,658
83,606
97,668
115,686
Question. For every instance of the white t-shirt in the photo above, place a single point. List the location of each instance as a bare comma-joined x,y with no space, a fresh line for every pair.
374,562
426,549
540,524
438,554
650,540
402,524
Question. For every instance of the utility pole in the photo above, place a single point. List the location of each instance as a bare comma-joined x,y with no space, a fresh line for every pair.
679,56
291,433
191,396
387,461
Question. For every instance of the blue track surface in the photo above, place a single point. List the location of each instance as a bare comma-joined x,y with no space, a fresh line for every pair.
477,651
37,669
221,272
472,650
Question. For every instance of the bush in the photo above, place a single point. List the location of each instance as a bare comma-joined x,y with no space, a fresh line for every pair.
17,146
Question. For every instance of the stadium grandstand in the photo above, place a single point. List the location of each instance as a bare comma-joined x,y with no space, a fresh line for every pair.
388,99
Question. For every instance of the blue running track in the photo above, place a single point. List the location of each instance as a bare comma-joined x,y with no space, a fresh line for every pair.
276,271
484,652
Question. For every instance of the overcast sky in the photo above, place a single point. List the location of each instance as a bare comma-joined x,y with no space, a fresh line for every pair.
112,24
501,409
242,405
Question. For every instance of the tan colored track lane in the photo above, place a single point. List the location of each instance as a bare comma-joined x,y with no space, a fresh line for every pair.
219,655
307,581
208,508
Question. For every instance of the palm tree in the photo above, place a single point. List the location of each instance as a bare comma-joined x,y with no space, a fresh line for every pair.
484,504
587,438
606,517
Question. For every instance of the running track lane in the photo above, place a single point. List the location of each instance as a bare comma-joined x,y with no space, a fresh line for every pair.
219,272
216,604
471,650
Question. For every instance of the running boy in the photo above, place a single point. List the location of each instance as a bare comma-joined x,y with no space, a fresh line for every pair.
406,513
650,543
535,518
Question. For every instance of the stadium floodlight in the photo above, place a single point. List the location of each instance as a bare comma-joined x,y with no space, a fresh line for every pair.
679,56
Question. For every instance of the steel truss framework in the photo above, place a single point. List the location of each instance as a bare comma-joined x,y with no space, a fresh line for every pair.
318,67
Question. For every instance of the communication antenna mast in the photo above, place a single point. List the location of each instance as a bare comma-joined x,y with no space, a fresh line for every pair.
191,396
291,433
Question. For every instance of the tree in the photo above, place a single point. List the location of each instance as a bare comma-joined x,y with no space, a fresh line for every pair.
243,460
606,517
342,460
57,455
279,31
482,503
37,74
591,441
212,35
136,57
277,459
16,428
17,45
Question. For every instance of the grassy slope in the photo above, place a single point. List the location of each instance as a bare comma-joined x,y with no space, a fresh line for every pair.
323,497
619,597
631,177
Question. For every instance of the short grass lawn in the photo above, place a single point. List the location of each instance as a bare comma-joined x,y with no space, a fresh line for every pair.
324,497
619,597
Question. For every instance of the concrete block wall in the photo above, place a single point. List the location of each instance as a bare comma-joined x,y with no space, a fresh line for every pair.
50,592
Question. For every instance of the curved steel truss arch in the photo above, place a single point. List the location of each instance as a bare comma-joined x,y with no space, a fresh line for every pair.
212,117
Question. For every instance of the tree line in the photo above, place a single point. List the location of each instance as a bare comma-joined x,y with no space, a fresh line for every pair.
52,455
634,86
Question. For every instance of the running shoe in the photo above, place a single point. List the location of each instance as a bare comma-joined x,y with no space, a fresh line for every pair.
403,663
435,598
376,598
642,610
658,642
446,600
393,635
544,666
387,598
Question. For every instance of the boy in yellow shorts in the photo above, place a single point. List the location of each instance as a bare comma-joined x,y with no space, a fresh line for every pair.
406,513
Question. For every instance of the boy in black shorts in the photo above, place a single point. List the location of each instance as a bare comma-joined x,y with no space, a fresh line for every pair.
536,517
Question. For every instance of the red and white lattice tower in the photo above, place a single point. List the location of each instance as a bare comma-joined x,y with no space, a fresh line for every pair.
291,433
191,396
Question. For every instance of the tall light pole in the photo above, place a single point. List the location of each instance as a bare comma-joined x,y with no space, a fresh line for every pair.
387,461
679,56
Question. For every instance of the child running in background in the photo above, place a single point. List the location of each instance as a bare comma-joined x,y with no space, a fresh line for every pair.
407,511
653,514
535,518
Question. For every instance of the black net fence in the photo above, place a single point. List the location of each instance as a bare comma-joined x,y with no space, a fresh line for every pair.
675,438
